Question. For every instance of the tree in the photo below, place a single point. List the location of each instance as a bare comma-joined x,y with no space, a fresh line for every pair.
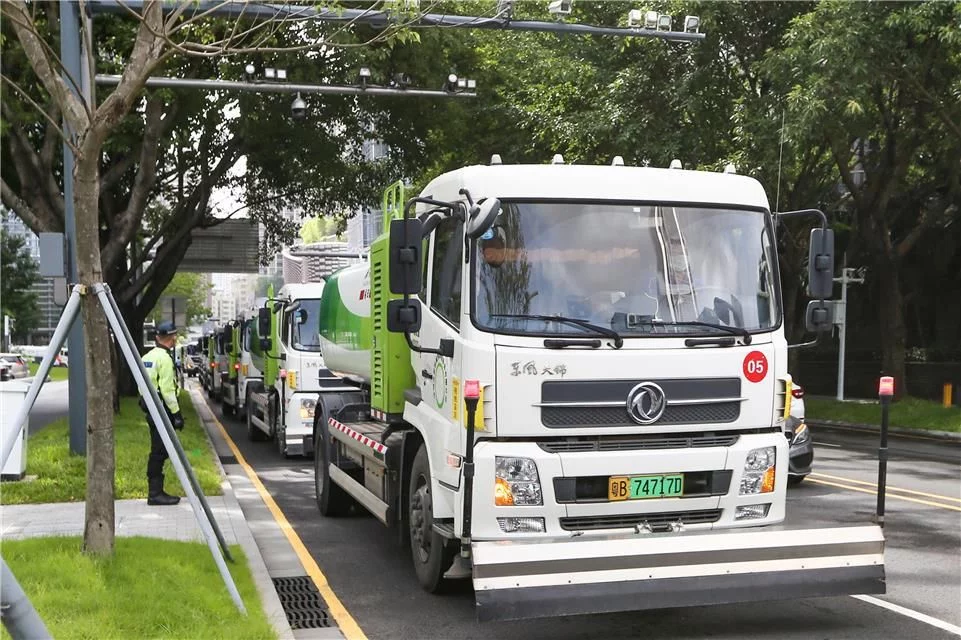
18,273
316,229
168,156
161,32
192,287
877,86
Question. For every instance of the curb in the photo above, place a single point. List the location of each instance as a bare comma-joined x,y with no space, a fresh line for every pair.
273,609
944,436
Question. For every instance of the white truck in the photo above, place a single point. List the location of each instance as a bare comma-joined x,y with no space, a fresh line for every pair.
284,345
572,384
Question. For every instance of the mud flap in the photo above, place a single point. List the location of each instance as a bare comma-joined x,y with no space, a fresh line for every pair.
533,579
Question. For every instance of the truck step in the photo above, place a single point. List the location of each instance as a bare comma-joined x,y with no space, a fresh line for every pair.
445,528
359,492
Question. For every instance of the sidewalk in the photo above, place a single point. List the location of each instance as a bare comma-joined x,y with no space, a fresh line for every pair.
243,518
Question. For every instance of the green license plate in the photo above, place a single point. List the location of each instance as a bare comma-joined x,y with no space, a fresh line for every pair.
641,487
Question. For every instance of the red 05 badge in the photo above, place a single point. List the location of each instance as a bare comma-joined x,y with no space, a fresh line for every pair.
755,366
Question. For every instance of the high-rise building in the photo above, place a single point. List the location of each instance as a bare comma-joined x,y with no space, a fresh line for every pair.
43,287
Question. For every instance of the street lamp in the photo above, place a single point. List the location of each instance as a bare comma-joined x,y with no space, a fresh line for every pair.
559,8
298,108
364,77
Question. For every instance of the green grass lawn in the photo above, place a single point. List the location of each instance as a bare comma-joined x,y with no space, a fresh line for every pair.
911,413
56,373
150,588
61,477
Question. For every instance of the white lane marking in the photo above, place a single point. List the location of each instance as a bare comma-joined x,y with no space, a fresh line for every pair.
911,613
827,444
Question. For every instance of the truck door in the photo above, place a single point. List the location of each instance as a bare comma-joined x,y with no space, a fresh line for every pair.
441,319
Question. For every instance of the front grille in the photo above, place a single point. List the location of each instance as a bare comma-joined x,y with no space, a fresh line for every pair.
580,403
634,443
657,521
566,417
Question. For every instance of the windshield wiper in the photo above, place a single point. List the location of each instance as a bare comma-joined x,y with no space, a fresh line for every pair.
744,333
577,322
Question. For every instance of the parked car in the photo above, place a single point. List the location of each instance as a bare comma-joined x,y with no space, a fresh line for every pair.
14,365
799,435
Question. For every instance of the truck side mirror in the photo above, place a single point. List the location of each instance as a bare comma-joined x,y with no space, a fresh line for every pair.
263,322
821,264
481,217
403,316
406,260
819,316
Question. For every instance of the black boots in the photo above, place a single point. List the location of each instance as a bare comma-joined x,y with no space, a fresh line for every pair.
156,496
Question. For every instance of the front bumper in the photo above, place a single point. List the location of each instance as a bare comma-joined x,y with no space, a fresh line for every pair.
597,516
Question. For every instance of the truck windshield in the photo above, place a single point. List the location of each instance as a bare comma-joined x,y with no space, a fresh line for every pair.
638,269
304,336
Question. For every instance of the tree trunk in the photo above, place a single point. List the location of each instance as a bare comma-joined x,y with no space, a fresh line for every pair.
893,330
98,534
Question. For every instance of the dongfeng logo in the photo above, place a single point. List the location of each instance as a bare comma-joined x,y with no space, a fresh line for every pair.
646,403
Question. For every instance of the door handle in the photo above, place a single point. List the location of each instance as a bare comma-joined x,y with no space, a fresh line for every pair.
427,375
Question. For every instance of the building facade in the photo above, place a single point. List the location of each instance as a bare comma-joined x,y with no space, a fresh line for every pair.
43,287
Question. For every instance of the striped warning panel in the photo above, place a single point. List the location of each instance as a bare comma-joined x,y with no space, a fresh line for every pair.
359,437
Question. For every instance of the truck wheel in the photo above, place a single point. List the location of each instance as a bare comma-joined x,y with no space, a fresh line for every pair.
431,553
793,481
332,501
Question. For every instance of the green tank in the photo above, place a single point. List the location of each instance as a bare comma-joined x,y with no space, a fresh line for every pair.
354,339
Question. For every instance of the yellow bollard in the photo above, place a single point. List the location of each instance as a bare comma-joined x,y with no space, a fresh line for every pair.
946,395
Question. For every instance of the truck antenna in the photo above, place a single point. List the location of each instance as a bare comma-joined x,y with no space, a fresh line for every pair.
780,156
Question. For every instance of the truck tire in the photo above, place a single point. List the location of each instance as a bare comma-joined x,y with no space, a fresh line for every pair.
793,481
431,553
254,434
332,501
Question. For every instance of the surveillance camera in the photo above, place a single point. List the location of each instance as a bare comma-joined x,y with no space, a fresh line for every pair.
560,7
298,108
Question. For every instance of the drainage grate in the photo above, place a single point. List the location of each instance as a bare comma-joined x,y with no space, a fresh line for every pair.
228,459
302,603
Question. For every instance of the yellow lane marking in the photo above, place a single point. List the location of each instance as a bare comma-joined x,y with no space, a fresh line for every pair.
887,494
889,488
348,626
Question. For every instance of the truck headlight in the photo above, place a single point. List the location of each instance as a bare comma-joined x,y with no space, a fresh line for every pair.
759,471
307,407
516,482
801,434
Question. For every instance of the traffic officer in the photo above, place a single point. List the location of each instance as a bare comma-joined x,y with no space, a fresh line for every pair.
159,363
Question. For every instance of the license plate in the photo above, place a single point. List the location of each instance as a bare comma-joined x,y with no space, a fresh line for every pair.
641,487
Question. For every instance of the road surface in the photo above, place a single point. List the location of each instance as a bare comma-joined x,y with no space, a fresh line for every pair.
374,579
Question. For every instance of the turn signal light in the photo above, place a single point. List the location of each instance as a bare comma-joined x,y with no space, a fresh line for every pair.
767,482
503,496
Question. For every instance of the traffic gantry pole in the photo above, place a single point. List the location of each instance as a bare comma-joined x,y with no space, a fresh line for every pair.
885,393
